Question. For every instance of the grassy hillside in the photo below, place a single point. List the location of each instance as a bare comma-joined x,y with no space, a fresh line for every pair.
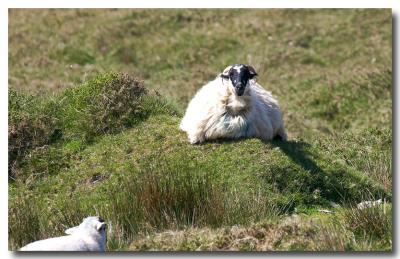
84,140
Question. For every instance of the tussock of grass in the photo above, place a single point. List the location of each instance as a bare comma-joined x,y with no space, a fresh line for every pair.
23,221
168,194
28,128
172,194
374,222
105,105
358,230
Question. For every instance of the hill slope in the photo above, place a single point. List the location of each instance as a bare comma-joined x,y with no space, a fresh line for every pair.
143,175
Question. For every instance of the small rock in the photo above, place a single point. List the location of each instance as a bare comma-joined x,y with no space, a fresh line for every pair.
326,211
368,204
334,204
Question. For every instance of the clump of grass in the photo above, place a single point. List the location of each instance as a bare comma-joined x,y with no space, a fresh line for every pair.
380,169
23,222
374,222
354,229
291,233
32,218
333,236
43,161
249,206
106,104
159,193
27,128
202,239
169,193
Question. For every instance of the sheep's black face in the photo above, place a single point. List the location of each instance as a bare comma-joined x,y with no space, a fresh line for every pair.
240,75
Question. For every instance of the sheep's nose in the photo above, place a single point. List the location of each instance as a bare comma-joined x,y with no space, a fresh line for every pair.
239,86
239,91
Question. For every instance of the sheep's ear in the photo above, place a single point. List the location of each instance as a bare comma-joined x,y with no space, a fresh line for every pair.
225,73
253,72
101,226
70,230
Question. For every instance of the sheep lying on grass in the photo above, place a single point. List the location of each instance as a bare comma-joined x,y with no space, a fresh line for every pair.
233,106
90,235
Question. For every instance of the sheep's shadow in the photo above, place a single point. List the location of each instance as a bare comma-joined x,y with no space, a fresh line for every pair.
333,182
298,152
314,177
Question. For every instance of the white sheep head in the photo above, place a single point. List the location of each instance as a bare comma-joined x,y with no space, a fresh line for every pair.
93,225
239,76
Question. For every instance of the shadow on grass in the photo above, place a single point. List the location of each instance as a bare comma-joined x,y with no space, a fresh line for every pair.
295,150
334,182
311,178
298,153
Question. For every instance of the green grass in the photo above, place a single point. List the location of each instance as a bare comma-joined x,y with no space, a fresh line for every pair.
85,141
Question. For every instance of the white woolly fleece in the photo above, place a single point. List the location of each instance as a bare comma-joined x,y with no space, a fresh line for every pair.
90,235
217,112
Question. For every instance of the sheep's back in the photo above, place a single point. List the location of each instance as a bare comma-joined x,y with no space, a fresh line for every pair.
266,108
64,243
203,105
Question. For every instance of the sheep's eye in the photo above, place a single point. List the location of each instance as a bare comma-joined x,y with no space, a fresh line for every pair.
102,228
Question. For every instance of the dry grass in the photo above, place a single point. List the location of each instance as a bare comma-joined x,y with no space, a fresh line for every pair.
296,232
23,233
373,222
170,194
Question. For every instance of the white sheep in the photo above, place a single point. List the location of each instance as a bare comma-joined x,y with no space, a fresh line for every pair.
90,235
233,106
